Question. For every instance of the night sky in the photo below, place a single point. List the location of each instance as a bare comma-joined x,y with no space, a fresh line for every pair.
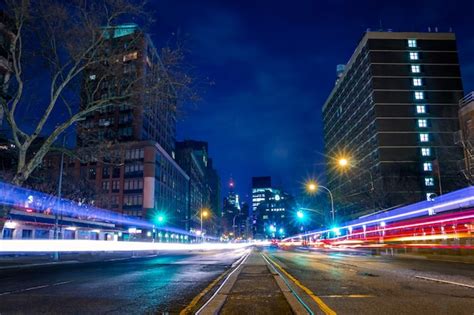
274,64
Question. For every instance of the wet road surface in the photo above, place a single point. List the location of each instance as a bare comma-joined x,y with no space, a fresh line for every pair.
365,284
165,283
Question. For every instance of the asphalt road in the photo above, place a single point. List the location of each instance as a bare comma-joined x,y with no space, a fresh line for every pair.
354,283
165,283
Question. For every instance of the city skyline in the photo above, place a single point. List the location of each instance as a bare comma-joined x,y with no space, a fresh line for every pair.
305,46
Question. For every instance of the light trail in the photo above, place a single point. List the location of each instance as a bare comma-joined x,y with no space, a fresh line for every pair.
45,246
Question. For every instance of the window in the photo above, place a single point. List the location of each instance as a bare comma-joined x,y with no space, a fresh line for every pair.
114,201
421,109
429,181
133,168
92,77
425,151
130,56
134,154
105,172
422,123
416,82
427,167
419,95
116,172
412,43
26,234
92,173
105,185
414,56
415,69
424,137
133,184
132,200
115,185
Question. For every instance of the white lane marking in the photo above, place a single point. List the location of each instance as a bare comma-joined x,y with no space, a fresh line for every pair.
35,288
445,281
242,261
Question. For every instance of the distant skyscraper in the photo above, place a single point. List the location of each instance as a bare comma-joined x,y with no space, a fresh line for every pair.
270,209
393,114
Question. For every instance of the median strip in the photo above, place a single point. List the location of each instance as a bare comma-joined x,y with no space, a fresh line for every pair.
323,306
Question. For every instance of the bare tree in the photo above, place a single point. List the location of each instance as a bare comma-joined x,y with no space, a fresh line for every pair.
71,39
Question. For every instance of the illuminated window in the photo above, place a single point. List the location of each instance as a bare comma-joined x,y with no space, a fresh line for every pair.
416,82
415,69
427,167
424,137
413,56
420,109
429,181
419,95
130,56
425,151
412,43
422,123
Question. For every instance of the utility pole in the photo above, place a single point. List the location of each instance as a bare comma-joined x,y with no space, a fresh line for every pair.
60,184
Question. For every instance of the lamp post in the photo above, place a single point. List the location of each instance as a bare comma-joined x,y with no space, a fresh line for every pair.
312,187
204,213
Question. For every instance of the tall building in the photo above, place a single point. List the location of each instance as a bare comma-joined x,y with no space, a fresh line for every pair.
465,137
231,212
271,208
131,143
192,156
214,182
145,110
392,114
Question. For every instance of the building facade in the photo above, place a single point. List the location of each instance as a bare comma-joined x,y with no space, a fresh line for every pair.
465,137
192,156
128,146
271,210
392,115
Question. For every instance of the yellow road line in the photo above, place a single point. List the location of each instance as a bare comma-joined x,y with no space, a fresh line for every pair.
326,309
188,309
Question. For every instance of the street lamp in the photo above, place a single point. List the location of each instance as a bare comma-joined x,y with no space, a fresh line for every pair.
204,214
312,187
344,163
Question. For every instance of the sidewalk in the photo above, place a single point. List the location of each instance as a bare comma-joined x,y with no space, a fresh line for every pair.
255,290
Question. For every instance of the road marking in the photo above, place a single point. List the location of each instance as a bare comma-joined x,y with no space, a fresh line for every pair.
35,288
197,298
298,298
445,281
326,309
224,282
348,296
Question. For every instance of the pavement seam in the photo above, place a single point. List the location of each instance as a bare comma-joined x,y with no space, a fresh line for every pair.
291,296
323,306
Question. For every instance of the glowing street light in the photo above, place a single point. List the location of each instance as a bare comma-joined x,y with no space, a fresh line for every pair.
300,214
343,162
312,186
204,214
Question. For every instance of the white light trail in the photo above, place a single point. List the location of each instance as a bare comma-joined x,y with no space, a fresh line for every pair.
40,246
